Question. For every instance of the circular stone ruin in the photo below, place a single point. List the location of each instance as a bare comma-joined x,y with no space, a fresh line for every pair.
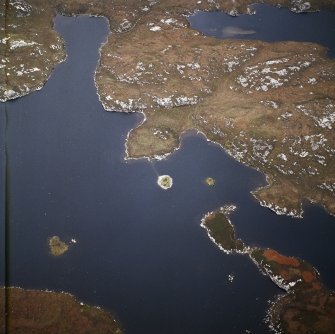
165,181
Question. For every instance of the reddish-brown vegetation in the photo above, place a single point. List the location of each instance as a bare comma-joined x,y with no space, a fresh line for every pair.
272,255
40,312
308,276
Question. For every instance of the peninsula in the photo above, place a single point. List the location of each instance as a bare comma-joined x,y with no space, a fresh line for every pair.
40,312
269,105
307,307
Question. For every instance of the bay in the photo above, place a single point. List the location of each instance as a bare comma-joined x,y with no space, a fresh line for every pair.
140,250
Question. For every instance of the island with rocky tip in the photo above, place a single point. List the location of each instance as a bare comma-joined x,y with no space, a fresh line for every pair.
269,105
40,312
307,307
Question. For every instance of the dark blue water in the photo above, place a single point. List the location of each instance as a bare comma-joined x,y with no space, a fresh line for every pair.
270,24
140,250
291,236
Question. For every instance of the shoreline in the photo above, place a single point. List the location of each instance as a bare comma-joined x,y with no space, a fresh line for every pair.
297,278
280,211
188,12
71,303
275,207
193,131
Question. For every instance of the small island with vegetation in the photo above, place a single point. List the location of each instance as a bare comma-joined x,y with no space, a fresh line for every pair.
307,307
57,246
210,181
40,312
165,181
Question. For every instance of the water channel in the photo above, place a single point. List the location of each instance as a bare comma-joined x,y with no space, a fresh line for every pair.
140,250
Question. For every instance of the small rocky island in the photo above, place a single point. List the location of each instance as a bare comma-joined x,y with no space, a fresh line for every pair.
307,307
165,181
41,312
57,246
210,181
